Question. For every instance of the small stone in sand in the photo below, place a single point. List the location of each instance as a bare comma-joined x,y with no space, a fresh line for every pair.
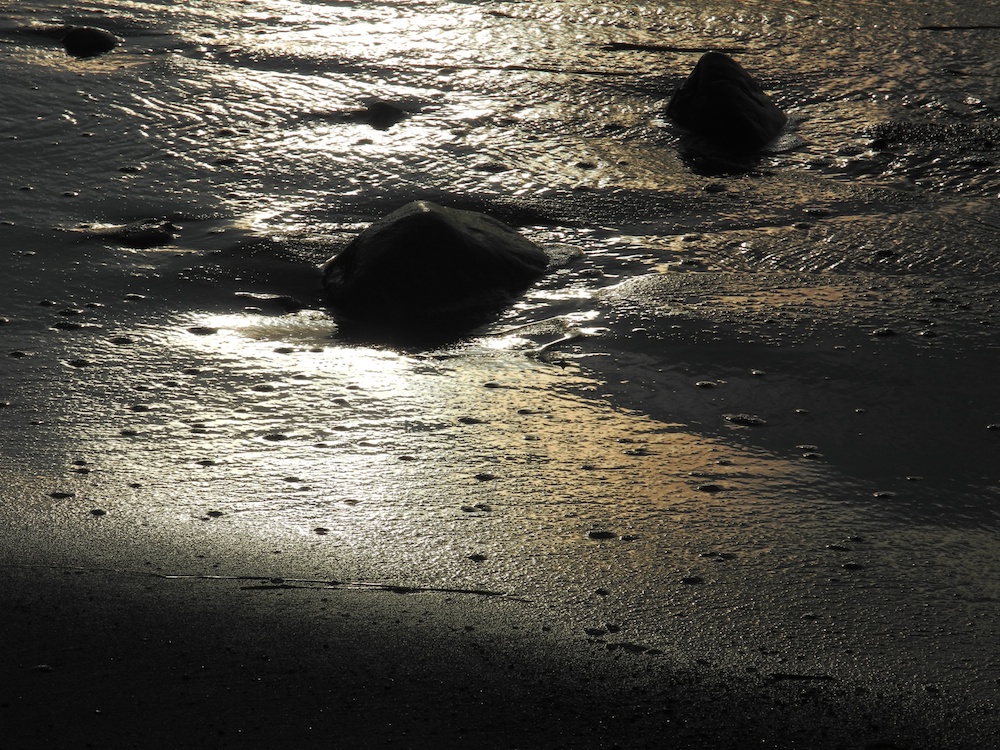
87,41
601,535
745,420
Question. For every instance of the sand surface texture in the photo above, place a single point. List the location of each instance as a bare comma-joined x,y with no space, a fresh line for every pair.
727,477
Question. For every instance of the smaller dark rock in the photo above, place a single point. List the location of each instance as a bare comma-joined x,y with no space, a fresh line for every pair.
745,420
379,115
601,535
710,488
142,234
87,41
723,103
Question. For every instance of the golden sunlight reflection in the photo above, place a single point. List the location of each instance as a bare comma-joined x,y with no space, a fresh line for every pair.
410,462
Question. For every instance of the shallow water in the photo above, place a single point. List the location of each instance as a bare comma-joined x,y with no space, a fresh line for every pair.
219,428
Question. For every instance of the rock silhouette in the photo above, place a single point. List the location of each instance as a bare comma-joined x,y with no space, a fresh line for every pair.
427,263
722,103
87,41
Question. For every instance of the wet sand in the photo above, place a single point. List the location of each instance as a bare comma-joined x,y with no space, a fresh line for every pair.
727,477
730,548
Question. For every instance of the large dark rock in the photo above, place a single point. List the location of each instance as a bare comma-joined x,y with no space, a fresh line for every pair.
721,102
425,263
87,41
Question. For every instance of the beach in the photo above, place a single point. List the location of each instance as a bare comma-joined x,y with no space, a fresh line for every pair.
727,476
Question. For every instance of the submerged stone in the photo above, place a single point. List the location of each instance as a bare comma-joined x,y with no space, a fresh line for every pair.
723,103
425,262
141,234
87,41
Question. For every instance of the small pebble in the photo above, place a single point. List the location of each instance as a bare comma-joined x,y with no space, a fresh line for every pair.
601,534
745,420
692,580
